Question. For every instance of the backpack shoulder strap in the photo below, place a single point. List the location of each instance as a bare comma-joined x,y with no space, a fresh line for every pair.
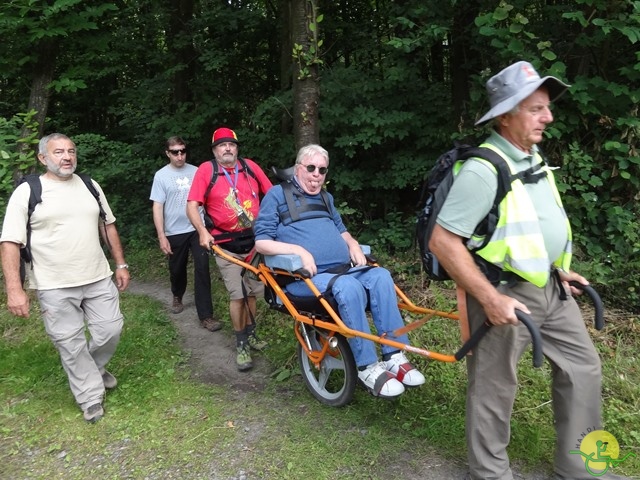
246,168
499,163
35,195
94,191
215,172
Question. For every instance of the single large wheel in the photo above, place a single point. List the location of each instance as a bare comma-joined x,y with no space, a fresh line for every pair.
335,381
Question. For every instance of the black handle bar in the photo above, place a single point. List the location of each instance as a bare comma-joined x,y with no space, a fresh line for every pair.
597,302
536,338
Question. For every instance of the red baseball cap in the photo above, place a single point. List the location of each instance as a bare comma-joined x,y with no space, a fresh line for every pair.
222,135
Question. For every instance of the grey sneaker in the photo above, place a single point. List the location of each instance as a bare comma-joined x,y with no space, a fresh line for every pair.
243,359
94,413
109,380
256,344
176,306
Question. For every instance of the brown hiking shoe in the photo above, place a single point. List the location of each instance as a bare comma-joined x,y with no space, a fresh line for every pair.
211,324
177,306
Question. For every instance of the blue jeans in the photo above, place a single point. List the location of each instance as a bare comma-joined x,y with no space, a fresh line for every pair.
350,291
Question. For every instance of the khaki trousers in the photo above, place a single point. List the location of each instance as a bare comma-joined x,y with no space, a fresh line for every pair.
64,312
492,383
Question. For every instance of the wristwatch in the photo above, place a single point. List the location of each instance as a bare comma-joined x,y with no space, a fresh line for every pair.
124,265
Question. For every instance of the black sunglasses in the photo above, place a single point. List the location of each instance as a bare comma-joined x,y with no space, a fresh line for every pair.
177,152
312,168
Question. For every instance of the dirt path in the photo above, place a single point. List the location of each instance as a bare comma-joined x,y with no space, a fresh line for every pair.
213,361
212,353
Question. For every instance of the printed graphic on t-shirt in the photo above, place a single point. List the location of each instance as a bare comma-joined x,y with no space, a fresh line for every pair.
184,184
240,212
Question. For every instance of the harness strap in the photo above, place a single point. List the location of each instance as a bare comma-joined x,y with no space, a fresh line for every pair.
561,290
292,194
247,232
346,272
529,175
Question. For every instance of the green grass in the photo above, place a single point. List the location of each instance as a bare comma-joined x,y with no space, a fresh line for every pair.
163,424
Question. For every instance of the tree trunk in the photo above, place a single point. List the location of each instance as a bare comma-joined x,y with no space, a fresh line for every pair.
306,87
463,62
42,76
286,47
181,13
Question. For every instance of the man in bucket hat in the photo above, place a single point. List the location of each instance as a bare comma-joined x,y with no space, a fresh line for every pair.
525,266
231,205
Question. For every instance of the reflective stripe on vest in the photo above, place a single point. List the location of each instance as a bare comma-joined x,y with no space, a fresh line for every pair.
517,245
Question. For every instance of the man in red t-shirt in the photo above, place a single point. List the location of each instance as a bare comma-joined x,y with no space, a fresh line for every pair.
232,205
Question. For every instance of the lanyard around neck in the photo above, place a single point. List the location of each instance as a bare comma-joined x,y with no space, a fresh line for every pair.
234,184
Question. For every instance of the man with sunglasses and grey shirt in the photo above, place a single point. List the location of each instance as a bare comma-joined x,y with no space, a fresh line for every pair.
177,236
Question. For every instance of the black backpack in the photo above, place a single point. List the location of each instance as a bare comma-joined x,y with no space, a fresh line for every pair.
436,188
35,197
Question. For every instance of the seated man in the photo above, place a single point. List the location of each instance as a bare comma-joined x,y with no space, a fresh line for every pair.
300,218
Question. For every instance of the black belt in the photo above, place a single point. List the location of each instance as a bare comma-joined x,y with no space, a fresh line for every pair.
510,278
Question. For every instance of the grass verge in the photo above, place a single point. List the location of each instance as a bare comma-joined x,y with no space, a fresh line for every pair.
161,424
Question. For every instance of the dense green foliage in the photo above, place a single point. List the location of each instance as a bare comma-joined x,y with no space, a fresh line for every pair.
398,82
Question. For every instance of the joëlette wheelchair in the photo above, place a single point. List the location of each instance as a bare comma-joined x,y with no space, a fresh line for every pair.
326,362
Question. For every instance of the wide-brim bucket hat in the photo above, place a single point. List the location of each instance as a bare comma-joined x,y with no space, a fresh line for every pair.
515,83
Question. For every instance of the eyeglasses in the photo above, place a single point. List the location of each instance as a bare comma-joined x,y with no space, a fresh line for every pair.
182,151
312,168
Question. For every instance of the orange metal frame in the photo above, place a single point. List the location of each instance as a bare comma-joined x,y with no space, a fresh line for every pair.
337,326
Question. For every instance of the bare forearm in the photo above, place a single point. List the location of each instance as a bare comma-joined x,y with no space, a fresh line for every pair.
115,246
158,219
11,265
113,241
273,247
193,213
17,298
355,251
458,262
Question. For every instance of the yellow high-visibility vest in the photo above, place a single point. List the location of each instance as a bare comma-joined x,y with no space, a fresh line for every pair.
517,244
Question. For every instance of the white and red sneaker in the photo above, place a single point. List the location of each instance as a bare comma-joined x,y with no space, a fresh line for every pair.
380,382
406,373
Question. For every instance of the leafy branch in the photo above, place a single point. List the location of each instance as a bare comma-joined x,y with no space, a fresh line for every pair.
307,56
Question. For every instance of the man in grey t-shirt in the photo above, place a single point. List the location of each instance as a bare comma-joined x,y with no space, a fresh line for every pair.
176,234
